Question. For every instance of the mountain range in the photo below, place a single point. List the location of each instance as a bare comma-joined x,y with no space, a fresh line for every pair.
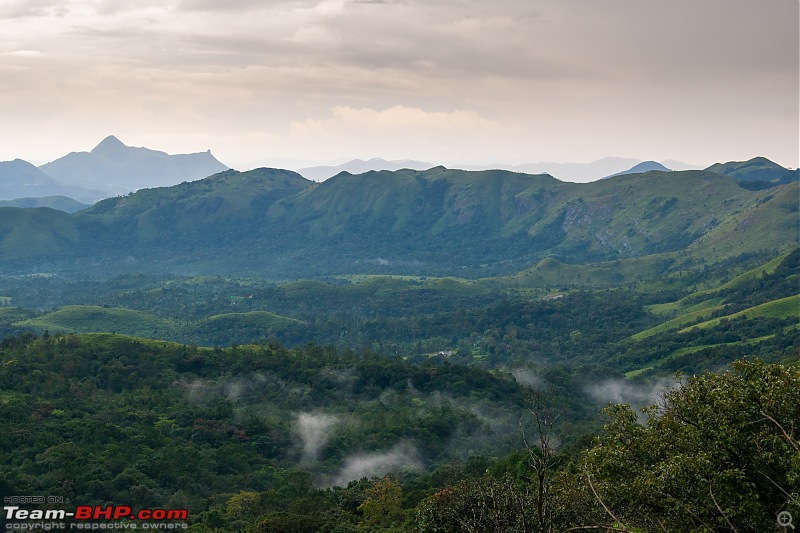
577,172
110,168
113,168
277,224
359,166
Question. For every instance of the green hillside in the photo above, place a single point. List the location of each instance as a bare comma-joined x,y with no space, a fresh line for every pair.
225,204
551,272
702,310
501,217
769,287
61,203
756,173
39,235
438,222
91,318
770,222
788,307
242,328
434,201
642,214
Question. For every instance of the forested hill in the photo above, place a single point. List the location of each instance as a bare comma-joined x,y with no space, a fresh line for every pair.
247,439
277,224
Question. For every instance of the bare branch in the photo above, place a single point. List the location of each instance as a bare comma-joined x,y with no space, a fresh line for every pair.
684,506
780,488
608,511
791,440
721,511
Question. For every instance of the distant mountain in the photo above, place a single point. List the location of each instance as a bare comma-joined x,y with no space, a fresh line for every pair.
117,168
61,203
20,179
757,173
359,166
679,165
644,166
574,172
277,224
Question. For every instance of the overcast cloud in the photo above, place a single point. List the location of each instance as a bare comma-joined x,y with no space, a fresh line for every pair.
447,81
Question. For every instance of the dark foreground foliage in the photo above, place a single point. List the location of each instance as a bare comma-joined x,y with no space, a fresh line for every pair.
104,419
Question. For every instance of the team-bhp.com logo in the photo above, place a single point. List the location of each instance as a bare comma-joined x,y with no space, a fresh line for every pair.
93,517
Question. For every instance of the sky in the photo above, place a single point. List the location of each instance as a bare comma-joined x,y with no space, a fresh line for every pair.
295,83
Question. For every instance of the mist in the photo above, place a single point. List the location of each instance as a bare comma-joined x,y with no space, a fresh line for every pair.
314,430
401,457
527,377
637,395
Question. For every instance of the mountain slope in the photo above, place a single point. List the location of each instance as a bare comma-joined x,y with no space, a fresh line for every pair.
61,203
19,179
202,210
411,220
92,318
118,168
31,239
757,173
406,200
644,166
275,223
359,166
769,222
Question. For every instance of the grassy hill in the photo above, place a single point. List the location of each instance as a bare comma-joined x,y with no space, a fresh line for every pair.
769,222
228,204
438,222
91,318
757,173
61,203
788,307
43,235
754,311
242,328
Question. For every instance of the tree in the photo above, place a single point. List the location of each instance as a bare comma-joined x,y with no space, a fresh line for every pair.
245,505
543,459
483,505
719,454
383,506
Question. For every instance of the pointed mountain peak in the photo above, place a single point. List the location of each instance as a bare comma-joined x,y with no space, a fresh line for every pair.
108,145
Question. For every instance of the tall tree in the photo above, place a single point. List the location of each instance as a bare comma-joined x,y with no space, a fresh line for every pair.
720,453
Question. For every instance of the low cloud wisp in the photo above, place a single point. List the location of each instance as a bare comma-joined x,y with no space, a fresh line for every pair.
315,430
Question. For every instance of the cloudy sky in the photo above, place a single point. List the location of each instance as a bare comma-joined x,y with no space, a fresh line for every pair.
291,83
